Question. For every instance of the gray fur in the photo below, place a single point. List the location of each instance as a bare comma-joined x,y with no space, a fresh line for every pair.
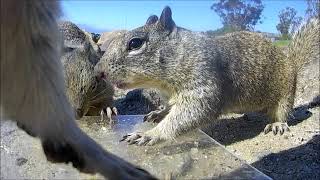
33,91
205,77
88,94
107,37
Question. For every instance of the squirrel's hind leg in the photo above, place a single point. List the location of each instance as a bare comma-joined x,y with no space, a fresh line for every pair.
279,115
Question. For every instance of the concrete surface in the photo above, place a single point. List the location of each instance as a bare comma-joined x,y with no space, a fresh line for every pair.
192,156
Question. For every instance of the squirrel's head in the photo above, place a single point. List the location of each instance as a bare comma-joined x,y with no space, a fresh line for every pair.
141,57
78,59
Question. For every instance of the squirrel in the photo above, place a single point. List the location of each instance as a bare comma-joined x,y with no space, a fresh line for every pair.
204,77
33,90
107,37
89,95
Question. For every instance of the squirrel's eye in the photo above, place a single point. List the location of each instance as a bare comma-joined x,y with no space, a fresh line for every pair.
135,43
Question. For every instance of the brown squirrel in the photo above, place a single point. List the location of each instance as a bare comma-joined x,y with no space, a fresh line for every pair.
89,95
33,90
205,76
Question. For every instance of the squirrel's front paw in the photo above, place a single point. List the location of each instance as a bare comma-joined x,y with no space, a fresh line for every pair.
109,112
142,139
277,127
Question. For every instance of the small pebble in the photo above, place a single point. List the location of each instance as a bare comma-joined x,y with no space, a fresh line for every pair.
21,161
196,143
104,128
194,150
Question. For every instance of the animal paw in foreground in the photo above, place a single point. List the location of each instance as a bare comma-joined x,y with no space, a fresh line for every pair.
58,152
141,139
109,112
277,127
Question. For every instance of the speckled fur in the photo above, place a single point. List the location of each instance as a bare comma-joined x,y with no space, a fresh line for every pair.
87,94
33,91
205,77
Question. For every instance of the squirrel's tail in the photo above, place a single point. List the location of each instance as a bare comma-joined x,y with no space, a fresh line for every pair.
305,44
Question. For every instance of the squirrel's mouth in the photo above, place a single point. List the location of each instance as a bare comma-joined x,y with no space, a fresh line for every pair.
117,83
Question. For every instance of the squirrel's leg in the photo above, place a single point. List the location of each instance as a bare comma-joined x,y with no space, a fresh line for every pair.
157,115
280,112
189,112
279,115
109,112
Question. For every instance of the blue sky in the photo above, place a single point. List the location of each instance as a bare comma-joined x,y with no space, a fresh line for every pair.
102,15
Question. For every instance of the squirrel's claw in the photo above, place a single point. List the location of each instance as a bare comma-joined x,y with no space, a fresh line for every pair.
153,116
277,127
156,116
140,139
109,112
131,137
115,111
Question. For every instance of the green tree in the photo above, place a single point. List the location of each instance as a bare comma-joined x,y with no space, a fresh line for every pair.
239,14
288,22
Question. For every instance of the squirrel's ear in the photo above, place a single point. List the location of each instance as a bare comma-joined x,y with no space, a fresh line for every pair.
166,19
152,19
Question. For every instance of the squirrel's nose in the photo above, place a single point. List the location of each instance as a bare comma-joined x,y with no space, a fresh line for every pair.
102,75
100,72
